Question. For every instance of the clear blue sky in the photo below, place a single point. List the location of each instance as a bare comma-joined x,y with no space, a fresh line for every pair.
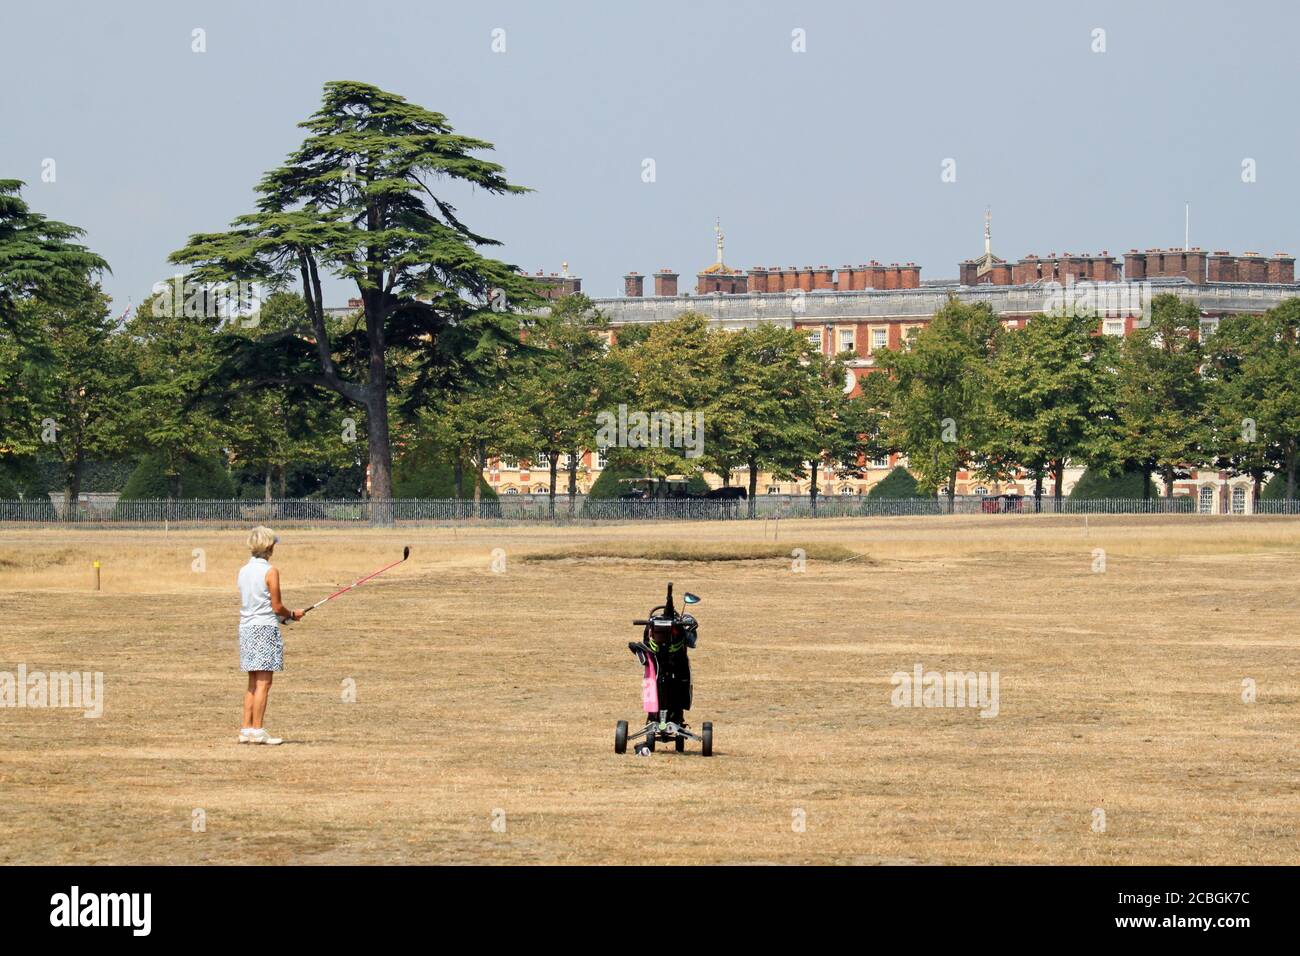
829,156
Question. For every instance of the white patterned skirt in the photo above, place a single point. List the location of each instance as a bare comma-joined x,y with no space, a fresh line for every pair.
261,648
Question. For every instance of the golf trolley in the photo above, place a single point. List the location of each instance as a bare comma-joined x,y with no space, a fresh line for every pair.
666,685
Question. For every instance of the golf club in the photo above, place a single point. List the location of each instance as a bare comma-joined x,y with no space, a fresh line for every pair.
406,553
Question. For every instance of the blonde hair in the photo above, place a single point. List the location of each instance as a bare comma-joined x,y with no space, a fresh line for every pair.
261,540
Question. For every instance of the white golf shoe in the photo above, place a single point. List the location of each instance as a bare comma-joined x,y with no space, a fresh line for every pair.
260,737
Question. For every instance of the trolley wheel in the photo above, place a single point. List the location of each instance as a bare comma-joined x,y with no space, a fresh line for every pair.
620,737
706,732
650,741
681,744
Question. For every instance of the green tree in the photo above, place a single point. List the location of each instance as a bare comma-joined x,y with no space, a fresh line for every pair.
1049,395
560,389
189,477
1275,488
848,427
899,483
19,417
426,470
81,389
40,259
474,423
282,423
1097,482
939,413
1161,414
774,401
174,355
1253,379
675,370
356,200
630,336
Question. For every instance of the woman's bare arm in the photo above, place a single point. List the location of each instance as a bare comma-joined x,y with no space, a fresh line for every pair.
273,585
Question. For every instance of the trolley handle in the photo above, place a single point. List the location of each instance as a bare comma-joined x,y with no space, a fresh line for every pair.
640,623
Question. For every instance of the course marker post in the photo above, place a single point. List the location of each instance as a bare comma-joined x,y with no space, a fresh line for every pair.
96,575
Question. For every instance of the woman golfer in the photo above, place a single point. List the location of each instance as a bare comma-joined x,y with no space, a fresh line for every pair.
261,649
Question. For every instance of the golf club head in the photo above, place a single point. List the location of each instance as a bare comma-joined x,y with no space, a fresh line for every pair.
692,598
406,552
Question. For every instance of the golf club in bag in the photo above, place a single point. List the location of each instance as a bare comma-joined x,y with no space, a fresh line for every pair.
666,638
406,553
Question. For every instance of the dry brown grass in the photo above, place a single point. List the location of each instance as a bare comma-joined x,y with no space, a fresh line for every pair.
712,551
479,692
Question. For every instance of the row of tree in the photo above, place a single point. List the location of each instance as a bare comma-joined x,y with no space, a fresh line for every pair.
450,360
167,388
966,394
766,400
82,387
1173,394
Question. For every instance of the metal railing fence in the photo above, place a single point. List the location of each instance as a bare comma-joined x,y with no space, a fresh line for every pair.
538,508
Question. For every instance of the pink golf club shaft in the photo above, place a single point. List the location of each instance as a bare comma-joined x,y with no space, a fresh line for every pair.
406,553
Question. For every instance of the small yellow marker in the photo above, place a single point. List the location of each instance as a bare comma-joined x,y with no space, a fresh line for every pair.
96,575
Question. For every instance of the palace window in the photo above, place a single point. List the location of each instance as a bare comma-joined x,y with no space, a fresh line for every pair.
1239,500
773,489
602,457
815,339
879,338
1114,327
846,340
881,462
1206,502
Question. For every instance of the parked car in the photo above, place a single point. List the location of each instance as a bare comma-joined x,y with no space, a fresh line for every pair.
729,493
1002,504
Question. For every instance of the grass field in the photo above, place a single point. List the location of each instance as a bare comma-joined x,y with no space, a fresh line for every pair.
482,729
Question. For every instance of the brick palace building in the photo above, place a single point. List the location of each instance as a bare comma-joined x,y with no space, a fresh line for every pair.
860,309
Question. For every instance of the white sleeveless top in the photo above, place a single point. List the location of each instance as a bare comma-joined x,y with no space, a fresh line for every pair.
254,595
